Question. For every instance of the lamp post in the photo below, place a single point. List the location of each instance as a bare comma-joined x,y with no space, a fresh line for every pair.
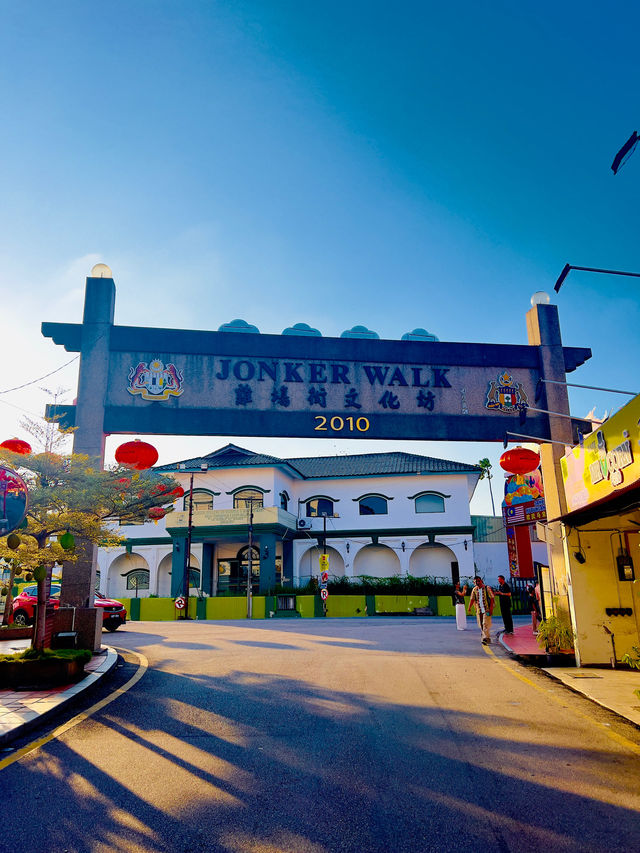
568,267
249,557
187,557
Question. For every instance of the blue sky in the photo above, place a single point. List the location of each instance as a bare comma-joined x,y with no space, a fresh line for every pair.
392,165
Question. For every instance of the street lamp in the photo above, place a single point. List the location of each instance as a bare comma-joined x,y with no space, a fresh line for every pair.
568,267
250,501
187,557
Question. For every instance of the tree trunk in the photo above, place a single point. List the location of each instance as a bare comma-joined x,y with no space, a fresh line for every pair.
8,602
44,590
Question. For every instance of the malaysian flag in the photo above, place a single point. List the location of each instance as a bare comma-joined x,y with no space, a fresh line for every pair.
514,514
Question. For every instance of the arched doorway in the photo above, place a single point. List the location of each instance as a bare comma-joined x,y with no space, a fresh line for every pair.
431,561
128,577
310,562
164,575
376,561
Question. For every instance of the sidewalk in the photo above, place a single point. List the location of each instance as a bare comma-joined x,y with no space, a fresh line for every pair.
611,688
21,711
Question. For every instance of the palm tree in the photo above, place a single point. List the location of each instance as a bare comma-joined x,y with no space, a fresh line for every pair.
486,472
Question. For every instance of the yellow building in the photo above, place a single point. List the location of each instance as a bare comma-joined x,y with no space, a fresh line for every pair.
601,538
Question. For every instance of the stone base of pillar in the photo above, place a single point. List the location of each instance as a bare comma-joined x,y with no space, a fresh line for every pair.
88,625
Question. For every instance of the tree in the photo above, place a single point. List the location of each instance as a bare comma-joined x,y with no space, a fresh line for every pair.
486,466
67,495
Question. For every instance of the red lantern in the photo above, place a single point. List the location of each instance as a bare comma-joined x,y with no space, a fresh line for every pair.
178,491
519,460
137,454
125,482
17,445
157,512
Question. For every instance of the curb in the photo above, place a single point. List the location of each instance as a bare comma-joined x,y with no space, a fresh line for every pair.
64,698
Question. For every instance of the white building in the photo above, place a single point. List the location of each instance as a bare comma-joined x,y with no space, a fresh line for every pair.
382,514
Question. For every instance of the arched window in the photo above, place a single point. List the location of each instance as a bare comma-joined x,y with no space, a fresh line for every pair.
202,500
430,502
194,578
138,579
373,505
246,498
284,500
317,507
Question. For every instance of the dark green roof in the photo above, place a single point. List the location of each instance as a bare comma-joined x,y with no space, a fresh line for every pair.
318,467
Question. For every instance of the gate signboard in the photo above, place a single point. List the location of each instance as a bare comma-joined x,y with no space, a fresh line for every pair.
179,382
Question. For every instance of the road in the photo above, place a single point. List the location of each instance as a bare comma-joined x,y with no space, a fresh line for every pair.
315,736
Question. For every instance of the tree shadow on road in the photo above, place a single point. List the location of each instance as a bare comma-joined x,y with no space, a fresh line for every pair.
254,762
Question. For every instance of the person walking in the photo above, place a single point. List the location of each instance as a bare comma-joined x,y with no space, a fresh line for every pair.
504,592
483,599
458,600
533,594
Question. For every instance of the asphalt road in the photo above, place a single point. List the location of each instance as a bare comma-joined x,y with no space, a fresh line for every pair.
315,736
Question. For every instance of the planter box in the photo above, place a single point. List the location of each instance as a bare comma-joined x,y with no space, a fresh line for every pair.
16,633
38,674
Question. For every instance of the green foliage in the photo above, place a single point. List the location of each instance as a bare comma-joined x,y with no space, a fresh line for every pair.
553,633
395,585
632,658
83,655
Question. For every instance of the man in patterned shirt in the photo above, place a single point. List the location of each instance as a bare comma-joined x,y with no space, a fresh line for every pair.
482,599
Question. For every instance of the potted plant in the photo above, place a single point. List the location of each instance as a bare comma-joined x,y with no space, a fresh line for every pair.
555,636
632,659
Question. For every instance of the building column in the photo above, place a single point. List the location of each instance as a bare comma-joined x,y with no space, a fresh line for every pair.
177,565
207,567
287,562
267,546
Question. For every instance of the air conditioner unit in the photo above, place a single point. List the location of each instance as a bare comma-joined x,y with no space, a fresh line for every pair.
303,523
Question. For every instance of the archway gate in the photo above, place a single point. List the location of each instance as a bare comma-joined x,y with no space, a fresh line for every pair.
140,380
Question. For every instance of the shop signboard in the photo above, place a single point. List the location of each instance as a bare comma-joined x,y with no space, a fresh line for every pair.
606,461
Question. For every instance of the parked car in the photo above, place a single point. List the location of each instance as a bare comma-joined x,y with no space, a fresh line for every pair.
113,612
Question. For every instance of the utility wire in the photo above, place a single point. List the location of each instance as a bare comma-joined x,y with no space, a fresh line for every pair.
40,378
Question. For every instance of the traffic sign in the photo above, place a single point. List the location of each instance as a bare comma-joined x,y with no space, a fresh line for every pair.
324,594
180,603
324,577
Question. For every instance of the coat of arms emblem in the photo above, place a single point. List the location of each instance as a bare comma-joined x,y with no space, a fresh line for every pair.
155,381
505,395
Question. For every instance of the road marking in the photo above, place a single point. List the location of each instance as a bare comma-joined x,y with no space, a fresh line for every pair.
143,665
620,739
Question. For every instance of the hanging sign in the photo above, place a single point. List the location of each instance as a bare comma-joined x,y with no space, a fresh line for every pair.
324,562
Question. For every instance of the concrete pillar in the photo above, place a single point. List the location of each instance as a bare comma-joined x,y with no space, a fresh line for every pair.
267,546
543,331
207,567
287,562
78,579
177,565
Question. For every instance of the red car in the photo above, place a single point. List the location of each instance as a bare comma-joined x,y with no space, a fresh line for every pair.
113,612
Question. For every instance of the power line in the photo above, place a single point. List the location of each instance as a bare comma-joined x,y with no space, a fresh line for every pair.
40,378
